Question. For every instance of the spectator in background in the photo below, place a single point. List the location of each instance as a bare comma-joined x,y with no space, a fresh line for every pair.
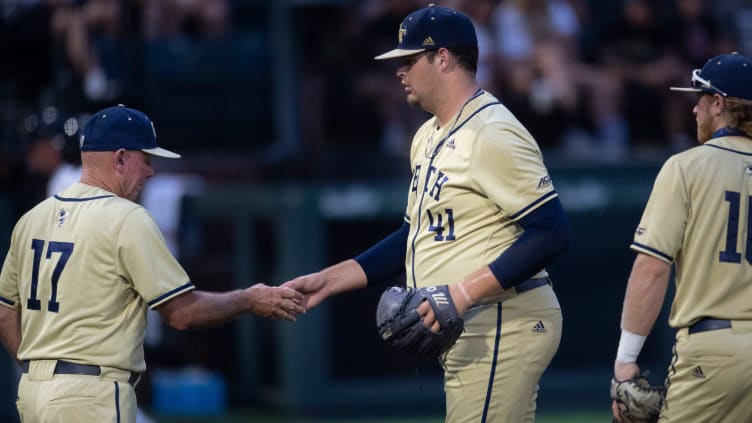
346,109
26,52
534,39
97,59
482,13
696,35
398,121
69,169
50,147
197,19
541,75
637,50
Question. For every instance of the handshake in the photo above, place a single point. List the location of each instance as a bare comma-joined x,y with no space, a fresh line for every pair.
424,322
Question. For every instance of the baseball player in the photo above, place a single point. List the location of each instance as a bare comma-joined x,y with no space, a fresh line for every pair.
698,219
82,269
482,216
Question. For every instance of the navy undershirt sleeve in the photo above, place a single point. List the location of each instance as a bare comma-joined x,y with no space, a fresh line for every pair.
386,259
546,235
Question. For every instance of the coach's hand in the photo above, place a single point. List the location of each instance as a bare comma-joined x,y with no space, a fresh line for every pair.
278,302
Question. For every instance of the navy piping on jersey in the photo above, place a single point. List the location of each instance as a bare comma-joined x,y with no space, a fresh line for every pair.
543,198
653,250
433,156
471,116
492,375
82,199
7,301
420,212
163,296
117,401
672,367
727,149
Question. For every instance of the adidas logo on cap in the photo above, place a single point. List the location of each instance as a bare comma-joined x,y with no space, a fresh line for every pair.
431,28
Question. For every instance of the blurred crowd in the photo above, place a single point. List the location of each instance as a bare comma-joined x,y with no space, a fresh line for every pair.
589,78
65,59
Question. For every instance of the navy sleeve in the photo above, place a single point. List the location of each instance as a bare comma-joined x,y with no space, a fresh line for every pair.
546,235
386,259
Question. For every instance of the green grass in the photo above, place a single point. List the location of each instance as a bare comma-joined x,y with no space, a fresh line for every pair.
265,417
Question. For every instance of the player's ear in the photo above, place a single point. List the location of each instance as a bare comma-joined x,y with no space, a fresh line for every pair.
118,159
717,104
445,58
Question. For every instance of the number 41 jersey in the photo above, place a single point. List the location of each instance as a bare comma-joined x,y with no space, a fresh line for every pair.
472,180
83,266
698,217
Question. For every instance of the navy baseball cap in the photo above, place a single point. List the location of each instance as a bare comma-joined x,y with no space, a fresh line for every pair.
729,75
431,28
119,127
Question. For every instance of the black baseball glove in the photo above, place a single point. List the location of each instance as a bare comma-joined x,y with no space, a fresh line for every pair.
399,324
642,401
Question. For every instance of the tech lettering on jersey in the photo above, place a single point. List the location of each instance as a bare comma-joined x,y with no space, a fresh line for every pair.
438,182
416,178
435,179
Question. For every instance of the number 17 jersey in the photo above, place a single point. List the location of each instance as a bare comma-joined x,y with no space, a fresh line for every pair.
83,266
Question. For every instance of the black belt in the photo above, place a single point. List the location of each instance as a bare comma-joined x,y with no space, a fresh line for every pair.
68,368
704,325
531,284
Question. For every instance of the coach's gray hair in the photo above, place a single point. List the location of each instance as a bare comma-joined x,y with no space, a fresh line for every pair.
738,114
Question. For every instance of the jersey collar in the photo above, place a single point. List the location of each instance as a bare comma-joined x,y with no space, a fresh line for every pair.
728,131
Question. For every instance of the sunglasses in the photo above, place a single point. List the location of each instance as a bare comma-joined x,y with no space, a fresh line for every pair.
700,83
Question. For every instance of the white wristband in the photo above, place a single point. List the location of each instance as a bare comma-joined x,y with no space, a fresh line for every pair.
630,345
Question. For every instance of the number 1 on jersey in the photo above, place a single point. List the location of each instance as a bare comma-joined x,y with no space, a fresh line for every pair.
65,249
730,255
